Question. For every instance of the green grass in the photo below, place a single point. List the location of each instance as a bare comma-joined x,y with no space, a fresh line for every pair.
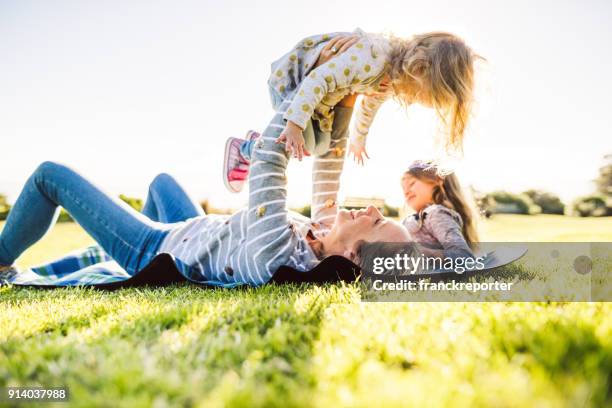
306,345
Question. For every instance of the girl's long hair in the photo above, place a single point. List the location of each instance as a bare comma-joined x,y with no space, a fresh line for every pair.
448,192
443,65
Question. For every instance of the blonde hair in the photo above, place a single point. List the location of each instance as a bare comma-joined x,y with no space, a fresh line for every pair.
442,65
448,192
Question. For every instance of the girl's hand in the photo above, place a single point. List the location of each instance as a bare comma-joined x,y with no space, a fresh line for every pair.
359,153
340,44
294,140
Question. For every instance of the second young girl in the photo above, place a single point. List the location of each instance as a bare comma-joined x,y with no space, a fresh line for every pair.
443,222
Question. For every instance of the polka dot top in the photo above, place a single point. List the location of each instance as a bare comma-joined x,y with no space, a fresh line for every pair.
315,92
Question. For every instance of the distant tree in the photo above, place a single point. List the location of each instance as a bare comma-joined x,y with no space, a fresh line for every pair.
210,209
509,203
205,204
600,203
64,216
548,202
389,211
4,207
484,203
596,205
135,203
305,210
604,180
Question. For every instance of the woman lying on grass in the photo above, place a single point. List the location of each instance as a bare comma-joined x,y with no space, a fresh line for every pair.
245,248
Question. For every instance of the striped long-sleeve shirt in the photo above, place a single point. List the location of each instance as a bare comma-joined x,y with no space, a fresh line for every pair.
326,172
249,246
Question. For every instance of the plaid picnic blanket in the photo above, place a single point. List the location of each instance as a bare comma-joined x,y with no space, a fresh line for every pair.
89,266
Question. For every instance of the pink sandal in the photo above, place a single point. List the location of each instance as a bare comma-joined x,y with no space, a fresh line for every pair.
235,166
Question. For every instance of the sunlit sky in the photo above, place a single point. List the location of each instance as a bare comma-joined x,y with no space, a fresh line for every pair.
123,90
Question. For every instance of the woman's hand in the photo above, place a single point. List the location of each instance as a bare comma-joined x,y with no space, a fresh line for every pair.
336,46
294,140
359,153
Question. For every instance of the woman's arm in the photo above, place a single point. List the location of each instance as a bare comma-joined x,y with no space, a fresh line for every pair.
327,168
270,239
269,235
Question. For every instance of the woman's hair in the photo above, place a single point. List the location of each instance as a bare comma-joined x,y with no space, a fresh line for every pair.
448,192
443,65
368,252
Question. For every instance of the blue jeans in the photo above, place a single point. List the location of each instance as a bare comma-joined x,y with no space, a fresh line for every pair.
129,237
167,202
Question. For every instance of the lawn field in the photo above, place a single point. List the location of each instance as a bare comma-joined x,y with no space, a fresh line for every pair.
307,345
